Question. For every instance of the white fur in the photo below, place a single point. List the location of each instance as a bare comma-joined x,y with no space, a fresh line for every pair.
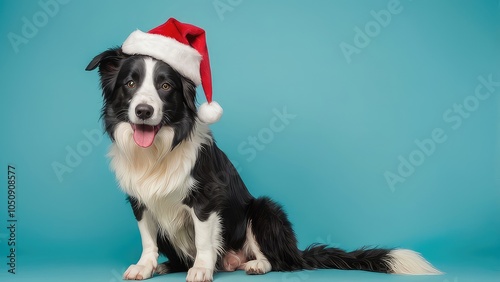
149,259
208,242
161,178
181,57
260,265
147,94
402,261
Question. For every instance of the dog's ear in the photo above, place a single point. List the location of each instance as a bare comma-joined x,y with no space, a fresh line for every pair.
109,63
107,57
189,92
184,127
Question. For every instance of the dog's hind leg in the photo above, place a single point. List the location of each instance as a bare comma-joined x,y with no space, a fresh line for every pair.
270,242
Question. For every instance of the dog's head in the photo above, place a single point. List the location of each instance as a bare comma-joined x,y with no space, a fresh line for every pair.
146,94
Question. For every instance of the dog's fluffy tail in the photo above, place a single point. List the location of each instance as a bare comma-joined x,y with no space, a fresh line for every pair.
396,261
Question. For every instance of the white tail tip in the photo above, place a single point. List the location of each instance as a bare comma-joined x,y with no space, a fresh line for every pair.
402,261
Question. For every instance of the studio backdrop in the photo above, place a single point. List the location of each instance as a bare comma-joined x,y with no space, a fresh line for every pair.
374,123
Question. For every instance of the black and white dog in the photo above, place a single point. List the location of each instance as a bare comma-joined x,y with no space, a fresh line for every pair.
190,203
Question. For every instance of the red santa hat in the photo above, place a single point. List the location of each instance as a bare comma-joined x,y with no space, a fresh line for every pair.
182,46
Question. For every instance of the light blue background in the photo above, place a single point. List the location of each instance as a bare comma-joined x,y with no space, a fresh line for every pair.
353,120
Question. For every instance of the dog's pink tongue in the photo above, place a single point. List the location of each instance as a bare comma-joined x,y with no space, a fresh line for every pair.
144,135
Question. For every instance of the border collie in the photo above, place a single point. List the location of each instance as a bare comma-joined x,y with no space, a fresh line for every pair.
189,201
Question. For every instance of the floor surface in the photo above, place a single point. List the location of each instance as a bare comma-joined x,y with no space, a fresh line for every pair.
482,270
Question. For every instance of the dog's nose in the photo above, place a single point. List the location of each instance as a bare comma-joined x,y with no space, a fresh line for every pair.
144,111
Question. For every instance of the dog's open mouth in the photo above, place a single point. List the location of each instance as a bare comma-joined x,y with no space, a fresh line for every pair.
144,135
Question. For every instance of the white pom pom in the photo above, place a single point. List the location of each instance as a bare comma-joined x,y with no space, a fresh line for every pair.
210,112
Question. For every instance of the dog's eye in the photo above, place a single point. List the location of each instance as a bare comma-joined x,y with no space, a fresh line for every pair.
131,84
165,86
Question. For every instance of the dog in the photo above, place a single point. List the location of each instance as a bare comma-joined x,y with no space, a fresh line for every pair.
190,203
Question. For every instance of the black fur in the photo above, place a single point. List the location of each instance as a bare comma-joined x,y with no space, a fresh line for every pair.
219,186
137,207
321,256
221,190
275,235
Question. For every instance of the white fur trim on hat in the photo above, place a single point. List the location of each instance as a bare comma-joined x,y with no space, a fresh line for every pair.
183,58
210,112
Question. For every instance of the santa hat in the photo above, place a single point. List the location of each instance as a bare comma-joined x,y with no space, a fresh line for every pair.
182,46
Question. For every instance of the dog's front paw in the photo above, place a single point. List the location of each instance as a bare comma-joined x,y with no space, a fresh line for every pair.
200,274
139,272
